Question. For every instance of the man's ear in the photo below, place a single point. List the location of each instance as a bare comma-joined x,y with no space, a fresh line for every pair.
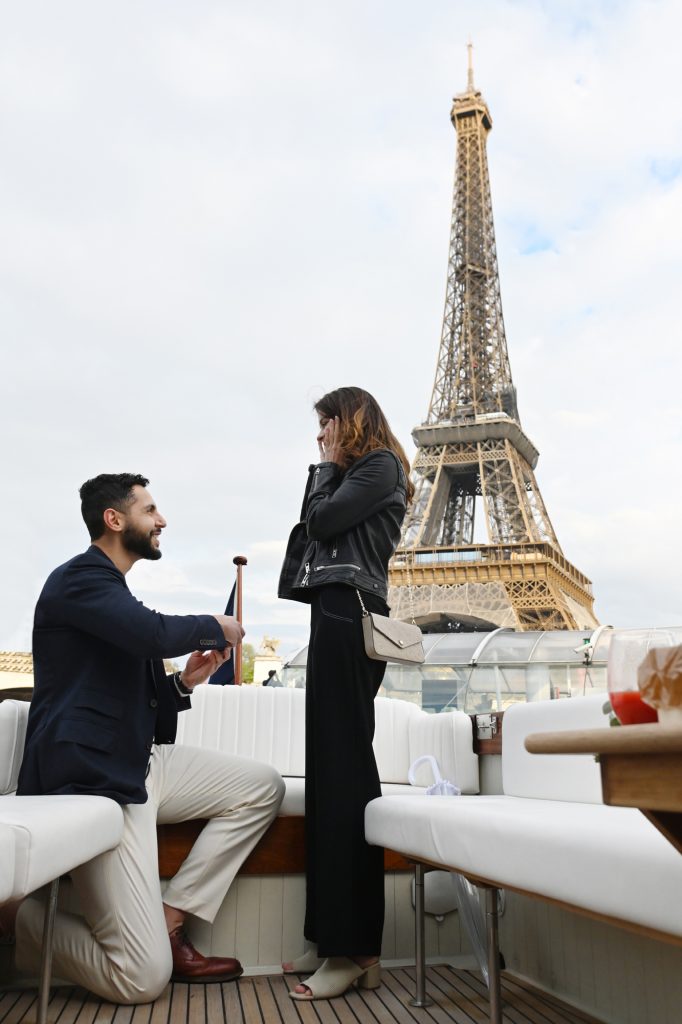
113,520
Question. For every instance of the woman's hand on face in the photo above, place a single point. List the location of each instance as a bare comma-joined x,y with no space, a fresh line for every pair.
329,442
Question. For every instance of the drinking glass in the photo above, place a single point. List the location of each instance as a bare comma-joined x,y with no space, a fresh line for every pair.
628,649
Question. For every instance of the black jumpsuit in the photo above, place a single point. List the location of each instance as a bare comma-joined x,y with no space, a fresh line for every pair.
349,528
344,874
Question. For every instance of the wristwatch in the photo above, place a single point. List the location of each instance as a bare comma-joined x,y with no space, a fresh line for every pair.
179,685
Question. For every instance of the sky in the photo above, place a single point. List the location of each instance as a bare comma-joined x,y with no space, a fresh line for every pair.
213,212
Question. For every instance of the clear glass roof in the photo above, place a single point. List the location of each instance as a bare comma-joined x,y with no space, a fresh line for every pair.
450,648
501,647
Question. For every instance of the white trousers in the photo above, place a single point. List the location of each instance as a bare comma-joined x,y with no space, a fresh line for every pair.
119,949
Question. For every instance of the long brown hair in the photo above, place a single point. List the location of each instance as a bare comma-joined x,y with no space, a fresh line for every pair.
364,428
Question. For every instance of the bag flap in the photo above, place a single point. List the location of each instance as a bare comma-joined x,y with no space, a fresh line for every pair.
403,634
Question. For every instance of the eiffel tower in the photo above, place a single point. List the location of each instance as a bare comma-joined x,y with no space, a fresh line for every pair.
474,464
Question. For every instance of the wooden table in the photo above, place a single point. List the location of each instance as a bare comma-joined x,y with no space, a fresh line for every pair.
641,766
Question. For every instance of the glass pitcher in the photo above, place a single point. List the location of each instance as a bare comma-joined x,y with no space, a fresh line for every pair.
628,649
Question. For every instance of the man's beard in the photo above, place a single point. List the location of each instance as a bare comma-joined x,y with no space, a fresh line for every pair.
140,544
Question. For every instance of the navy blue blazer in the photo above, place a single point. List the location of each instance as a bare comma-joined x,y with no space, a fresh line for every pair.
101,695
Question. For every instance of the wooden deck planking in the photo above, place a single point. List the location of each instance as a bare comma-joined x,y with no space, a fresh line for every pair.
232,1006
178,1007
161,1008
395,999
288,1010
472,1004
401,988
325,1013
123,1014
458,997
546,1006
89,1010
522,1002
266,1000
15,1005
250,1006
469,987
196,1004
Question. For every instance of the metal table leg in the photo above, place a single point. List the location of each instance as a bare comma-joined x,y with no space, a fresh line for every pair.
46,958
492,933
420,997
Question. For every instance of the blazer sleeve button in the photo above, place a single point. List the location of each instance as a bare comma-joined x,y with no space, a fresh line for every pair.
153,703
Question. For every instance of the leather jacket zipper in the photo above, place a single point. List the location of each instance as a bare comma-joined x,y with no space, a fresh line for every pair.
304,581
339,565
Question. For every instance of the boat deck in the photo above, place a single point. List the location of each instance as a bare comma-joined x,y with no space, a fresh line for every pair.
458,996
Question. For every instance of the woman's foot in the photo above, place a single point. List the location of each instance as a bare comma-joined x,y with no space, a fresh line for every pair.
337,974
306,963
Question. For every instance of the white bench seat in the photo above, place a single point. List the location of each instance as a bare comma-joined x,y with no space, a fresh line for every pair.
44,837
293,804
7,862
268,724
548,835
609,861
55,834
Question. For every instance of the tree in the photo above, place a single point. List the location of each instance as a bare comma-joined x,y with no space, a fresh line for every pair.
248,656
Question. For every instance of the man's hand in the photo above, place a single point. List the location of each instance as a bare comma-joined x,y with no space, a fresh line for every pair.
201,665
232,630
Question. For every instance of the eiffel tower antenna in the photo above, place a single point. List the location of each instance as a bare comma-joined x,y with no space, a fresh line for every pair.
474,463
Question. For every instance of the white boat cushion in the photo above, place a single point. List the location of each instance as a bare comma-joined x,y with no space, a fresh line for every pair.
391,737
449,737
268,724
551,776
294,794
404,732
293,802
399,789
609,860
13,719
6,863
54,834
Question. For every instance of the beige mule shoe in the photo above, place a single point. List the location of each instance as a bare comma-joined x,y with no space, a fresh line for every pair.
336,975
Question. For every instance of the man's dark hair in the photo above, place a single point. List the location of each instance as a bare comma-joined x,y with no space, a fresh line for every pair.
108,490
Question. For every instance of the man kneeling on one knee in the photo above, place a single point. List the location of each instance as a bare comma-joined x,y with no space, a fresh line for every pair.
102,721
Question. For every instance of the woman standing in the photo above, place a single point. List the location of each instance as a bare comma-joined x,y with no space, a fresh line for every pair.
353,508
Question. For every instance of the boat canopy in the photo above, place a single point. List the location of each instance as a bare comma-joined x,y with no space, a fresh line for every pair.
483,672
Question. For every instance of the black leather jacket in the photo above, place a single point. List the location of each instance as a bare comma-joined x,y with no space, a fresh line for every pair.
350,527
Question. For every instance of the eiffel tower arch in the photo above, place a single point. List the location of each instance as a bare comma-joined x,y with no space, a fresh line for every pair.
474,463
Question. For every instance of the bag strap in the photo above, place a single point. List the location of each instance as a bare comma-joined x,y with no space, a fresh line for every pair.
362,603
410,586
410,592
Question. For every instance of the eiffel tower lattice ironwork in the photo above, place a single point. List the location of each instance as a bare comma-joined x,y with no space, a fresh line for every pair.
473,455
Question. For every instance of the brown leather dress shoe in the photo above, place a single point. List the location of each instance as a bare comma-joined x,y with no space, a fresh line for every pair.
190,966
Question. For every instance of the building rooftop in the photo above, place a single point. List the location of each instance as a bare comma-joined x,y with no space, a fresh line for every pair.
16,661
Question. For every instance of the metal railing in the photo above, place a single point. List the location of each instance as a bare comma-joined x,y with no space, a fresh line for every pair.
410,558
